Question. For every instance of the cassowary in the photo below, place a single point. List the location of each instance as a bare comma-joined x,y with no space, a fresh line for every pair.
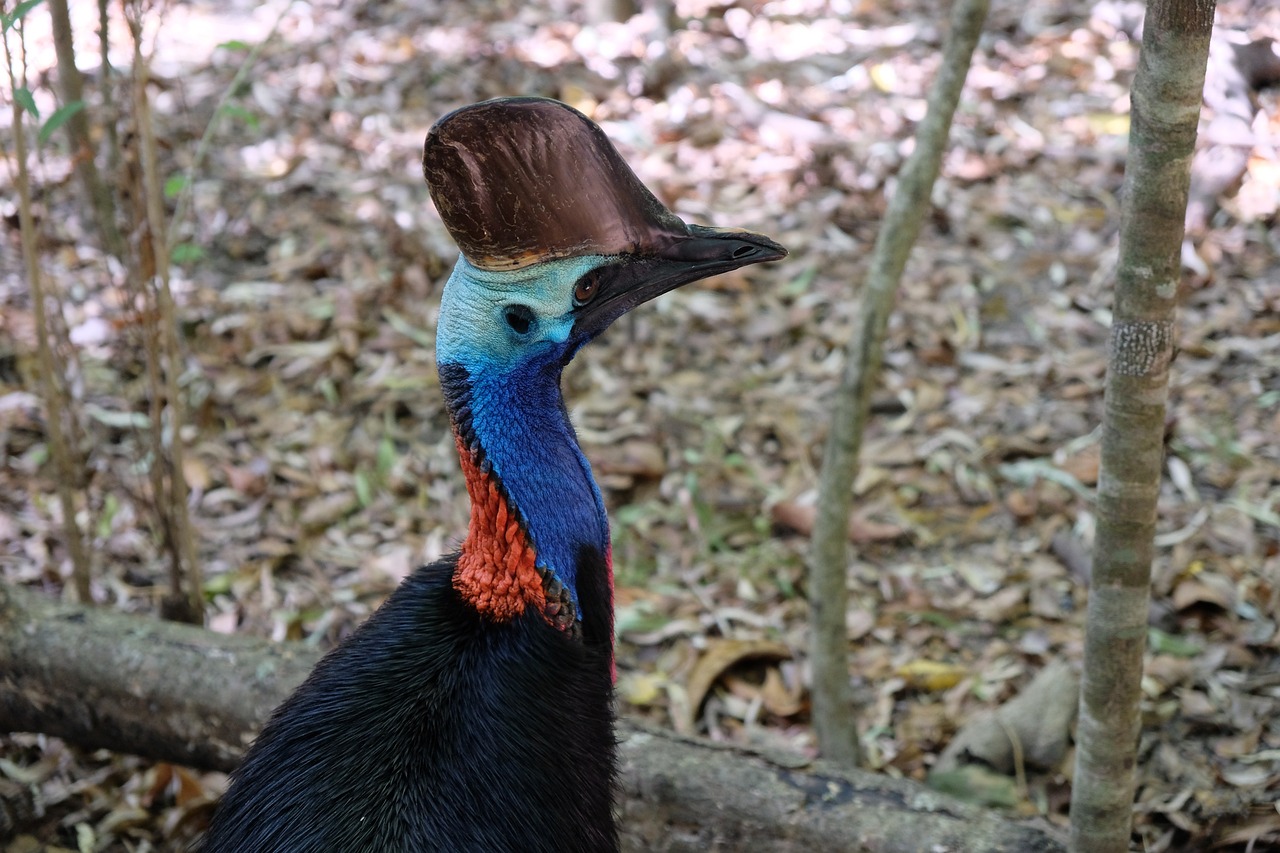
472,711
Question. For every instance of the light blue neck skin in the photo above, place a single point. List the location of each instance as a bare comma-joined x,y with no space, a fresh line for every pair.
517,411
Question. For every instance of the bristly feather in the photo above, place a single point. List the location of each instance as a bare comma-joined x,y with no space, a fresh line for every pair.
457,726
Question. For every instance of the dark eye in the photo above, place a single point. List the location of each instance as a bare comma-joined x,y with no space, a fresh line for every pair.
519,318
586,290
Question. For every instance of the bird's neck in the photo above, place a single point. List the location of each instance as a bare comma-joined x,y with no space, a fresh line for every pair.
536,512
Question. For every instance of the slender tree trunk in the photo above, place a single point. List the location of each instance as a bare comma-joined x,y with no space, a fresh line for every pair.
97,194
828,595
1164,114
65,454
185,601
110,117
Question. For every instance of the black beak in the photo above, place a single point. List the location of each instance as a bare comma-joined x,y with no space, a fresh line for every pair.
684,258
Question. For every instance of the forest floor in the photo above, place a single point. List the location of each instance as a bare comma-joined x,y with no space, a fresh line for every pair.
322,466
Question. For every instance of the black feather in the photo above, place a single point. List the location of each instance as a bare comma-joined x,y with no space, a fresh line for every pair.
434,729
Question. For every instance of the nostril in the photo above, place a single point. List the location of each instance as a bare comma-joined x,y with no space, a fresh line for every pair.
743,251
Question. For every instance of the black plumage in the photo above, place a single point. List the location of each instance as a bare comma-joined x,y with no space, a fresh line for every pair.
446,714
472,711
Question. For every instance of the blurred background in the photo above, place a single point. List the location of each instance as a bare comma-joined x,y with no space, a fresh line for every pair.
307,269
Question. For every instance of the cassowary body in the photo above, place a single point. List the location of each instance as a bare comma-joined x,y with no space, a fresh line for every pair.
472,711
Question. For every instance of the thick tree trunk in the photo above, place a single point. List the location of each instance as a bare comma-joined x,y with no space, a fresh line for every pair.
1164,114
178,693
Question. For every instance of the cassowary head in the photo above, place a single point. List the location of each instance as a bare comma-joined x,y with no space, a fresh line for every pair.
558,236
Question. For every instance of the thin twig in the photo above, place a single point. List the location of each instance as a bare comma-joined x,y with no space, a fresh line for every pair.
164,357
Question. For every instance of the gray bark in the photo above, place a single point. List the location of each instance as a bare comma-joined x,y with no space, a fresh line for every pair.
182,694
1165,110
828,595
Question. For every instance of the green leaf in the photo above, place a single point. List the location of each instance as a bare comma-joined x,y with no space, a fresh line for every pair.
218,584
110,506
58,119
236,111
328,389
1171,644
187,253
174,186
364,490
419,336
117,419
19,12
235,44
386,458
23,97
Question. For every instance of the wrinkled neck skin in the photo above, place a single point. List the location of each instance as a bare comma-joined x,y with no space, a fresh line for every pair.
535,506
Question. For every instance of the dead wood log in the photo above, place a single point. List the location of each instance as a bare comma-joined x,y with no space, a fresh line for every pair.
181,694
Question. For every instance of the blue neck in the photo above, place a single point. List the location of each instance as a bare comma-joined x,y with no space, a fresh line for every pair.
503,390
519,420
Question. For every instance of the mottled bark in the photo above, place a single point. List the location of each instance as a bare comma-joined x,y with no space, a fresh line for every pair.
1164,114
833,720
179,693
108,680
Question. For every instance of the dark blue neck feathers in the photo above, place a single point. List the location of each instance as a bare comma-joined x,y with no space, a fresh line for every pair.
513,422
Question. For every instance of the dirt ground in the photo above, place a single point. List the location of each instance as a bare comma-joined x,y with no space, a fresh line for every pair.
323,470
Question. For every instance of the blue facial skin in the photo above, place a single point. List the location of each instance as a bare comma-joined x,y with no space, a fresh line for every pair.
512,331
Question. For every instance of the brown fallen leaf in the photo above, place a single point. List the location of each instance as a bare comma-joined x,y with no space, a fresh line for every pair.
859,623
196,473
1266,827
780,699
635,458
720,657
327,510
1205,588
773,694
801,518
1021,503
250,479
1084,465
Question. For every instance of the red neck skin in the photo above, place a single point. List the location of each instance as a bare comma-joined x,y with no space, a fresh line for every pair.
497,571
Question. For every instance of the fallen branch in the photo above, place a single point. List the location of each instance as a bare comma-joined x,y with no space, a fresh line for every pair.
177,693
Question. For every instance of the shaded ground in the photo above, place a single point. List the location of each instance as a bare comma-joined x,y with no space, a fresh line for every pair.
323,469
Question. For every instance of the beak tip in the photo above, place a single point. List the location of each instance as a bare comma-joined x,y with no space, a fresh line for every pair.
776,252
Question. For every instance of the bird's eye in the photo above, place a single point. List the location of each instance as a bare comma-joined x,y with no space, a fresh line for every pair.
519,318
586,290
